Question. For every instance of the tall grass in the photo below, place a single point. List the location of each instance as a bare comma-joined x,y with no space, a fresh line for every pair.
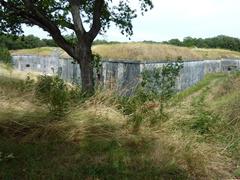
95,140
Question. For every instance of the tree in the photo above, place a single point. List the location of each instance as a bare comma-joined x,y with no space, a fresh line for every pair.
60,15
189,41
175,42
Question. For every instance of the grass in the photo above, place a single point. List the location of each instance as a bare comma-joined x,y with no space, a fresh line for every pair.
216,53
208,113
42,51
200,140
140,52
93,141
197,87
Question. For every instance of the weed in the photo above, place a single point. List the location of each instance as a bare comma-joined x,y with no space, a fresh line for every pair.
204,121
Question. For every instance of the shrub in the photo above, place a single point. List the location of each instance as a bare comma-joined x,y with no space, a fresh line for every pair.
157,86
159,83
52,91
5,56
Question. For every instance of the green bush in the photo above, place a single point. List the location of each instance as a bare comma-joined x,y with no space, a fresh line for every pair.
5,56
159,83
52,91
157,86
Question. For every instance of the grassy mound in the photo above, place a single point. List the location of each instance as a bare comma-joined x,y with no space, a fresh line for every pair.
95,140
140,52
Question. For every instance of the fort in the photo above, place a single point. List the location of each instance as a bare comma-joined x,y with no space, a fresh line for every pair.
123,75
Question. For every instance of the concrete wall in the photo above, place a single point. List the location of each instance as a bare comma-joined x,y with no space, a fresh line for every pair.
122,75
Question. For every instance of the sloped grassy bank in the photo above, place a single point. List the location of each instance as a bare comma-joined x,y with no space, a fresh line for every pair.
95,139
140,52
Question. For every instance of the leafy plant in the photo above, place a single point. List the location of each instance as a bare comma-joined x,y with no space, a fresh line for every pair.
157,86
159,83
204,121
52,91
5,56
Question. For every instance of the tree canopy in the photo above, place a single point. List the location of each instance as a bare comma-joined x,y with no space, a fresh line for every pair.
221,41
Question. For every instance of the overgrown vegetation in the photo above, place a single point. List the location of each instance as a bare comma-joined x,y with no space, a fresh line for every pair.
5,56
95,139
53,92
156,88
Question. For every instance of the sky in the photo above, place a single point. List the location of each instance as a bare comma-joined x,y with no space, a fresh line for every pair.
177,19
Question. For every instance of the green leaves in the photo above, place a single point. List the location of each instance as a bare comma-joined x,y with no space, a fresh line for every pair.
160,82
14,13
5,56
53,92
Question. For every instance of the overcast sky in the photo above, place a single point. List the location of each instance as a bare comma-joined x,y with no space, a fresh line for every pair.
178,19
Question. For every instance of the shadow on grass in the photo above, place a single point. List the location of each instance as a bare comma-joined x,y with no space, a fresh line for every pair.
33,146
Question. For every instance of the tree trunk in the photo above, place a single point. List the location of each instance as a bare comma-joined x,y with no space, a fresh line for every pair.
86,67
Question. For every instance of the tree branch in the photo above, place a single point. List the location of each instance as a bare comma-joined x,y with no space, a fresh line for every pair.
77,20
34,16
67,24
96,26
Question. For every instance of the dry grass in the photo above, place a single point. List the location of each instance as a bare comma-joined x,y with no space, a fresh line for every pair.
97,137
94,140
43,51
201,160
214,105
216,53
144,52
9,72
140,52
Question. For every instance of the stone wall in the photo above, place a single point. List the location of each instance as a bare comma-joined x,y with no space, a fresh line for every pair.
123,75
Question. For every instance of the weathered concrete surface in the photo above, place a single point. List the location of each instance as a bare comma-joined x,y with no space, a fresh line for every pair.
122,75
